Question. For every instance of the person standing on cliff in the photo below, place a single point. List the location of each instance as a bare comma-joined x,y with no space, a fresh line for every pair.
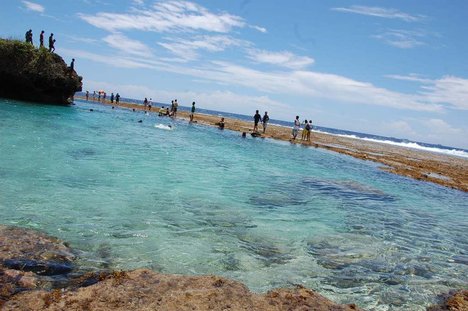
51,42
41,39
29,36
72,66
112,98
87,95
117,98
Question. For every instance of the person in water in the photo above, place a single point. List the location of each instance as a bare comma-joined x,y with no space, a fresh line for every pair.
220,124
162,111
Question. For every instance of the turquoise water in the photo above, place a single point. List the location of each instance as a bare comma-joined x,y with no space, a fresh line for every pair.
196,200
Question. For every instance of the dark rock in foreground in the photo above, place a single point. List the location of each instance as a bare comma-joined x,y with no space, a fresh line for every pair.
35,74
148,290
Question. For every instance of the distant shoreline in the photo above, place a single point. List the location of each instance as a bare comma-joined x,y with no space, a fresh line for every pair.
445,170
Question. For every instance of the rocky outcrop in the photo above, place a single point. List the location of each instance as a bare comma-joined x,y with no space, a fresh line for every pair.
35,74
147,290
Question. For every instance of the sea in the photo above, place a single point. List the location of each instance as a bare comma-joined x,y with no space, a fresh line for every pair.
191,199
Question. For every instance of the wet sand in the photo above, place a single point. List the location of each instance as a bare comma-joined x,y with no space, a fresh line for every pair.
445,170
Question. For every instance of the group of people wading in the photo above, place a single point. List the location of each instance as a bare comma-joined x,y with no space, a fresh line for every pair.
29,39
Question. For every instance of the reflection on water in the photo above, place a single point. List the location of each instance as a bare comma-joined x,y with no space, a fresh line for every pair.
196,200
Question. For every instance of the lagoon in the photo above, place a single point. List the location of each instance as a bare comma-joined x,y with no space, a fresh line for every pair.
196,200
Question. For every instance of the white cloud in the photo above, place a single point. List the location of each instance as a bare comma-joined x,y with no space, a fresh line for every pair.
169,16
439,126
411,77
139,2
403,39
261,29
380,12
187,49
128,46
449,90
33,6
284,59
305,83
314,85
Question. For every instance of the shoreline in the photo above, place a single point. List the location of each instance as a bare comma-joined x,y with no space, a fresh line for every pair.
445,170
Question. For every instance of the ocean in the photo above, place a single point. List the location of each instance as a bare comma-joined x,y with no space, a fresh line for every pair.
191,199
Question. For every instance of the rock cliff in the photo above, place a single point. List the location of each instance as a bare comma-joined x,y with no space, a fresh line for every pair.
35,74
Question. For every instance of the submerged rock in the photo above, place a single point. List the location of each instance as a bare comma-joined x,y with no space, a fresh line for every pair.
35,74
29,260
148,290
454,301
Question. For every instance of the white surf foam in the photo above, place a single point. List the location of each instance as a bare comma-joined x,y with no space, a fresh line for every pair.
163,127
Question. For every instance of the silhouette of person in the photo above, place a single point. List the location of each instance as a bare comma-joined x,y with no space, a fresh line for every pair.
51,42
41,39
72,65
29,36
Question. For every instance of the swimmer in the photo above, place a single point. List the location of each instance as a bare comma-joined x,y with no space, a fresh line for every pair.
220,124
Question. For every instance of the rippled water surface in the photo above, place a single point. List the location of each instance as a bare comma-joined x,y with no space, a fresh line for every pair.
195,200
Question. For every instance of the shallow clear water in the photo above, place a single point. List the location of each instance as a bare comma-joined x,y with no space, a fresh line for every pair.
196,200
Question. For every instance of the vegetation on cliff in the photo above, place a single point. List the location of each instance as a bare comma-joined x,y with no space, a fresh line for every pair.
35,74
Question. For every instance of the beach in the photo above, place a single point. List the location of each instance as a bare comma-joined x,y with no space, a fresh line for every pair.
444,170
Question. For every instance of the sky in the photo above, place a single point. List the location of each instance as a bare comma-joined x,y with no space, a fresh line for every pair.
393,68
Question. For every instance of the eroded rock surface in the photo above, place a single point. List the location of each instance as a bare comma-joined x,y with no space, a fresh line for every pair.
148,290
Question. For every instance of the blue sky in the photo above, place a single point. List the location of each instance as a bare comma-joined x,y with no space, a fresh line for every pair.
393,68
